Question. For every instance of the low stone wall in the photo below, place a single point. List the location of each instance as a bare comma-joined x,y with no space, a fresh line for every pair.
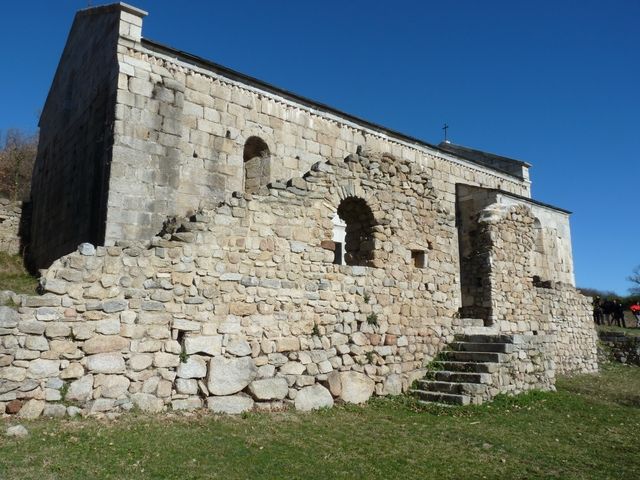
239,308
522,305
622,348
242,307
10,226
528,366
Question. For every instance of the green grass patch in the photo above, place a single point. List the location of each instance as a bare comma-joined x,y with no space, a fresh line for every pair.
13,275
630,330
588,429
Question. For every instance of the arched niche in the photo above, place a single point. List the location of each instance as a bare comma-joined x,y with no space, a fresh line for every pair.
257,164
358,248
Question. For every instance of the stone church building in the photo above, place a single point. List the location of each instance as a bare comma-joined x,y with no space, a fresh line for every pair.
245,247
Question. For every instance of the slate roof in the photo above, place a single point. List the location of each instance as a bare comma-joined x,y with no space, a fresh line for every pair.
507,165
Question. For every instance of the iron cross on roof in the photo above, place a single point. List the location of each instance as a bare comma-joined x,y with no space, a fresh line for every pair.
445,127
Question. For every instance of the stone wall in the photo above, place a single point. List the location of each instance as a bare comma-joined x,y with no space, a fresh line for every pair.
247,292
10,226
548,252
528,365
521,304
212,292
71,171
183,126
621,347
243,307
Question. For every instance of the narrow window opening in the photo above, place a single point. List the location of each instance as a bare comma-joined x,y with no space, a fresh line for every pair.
339,235
419,258
337,254
358,242
257,164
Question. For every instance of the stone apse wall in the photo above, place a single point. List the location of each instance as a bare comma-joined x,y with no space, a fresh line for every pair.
243,307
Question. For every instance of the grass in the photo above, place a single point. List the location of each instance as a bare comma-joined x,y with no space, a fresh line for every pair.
630,330
13,275
588,429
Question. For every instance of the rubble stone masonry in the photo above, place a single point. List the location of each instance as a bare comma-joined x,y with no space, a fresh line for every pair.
241,247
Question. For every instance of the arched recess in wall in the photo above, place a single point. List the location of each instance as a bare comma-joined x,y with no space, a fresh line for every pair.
358,248
538,236
257,164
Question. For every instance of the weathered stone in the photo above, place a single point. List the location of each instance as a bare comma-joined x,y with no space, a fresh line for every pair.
86,249
80,390
41,368
14,374
32,327
140,361
187,386
37,343
110,326
269,388
231,404
393,385
147,402
32,409
14,406
17,431
194,367
56,286
56,329
209,344
113,306
192,403
227,376
243,309
105,344
292,368
238,347
112,386
8,317
287,344
186,325
165,360
54,410
313,398
101,405
335,383
73,411
356,387
105,363
74,370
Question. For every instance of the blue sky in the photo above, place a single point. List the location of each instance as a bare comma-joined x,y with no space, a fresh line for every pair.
553,83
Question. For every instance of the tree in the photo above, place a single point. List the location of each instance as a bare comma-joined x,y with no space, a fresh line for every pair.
635,279
17,155
594,292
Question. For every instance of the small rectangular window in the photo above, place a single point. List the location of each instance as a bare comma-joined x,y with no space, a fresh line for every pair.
337,259
419,258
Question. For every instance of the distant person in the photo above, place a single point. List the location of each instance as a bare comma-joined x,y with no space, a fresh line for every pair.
618,314
635,309
597,311
607,311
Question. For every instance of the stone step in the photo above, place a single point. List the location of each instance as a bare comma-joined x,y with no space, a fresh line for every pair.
472,356
477,338
452,387
464,377
469,367
472,322
440,397
482,347
491,330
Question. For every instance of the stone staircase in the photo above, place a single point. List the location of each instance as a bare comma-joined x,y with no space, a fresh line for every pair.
464,374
